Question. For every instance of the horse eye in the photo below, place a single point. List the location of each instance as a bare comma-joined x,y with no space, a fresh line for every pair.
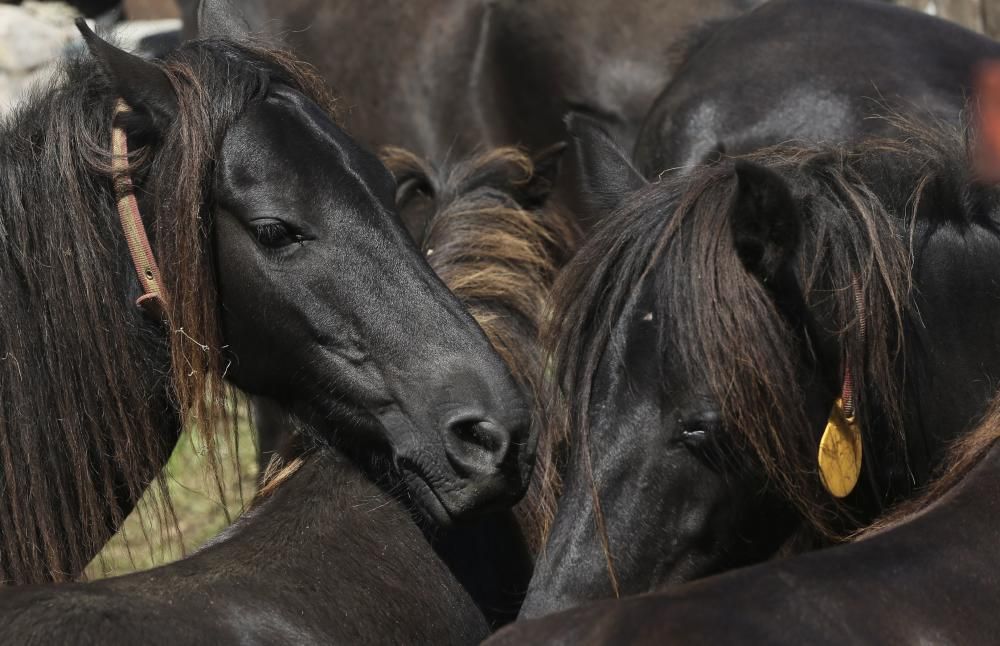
695,435
274,234
696,432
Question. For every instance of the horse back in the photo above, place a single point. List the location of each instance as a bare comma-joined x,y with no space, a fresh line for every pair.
801,70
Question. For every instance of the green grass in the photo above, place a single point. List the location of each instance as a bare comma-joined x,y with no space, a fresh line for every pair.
148,538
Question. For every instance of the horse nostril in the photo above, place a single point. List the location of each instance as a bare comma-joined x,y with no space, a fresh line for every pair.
476,445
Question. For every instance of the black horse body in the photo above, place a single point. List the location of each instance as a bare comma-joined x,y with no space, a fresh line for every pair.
804,71
287,272
931,579
326,557
452,77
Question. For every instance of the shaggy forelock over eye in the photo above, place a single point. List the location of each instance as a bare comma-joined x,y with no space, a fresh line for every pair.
722,322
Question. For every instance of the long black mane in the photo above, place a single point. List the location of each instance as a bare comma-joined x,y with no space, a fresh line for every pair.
92,393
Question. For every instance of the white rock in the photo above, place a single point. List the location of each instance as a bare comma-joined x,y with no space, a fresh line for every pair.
27,42
6,91
12,90
54,13
14,87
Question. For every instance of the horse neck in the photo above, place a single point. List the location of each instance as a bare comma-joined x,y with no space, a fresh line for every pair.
953,342
332,533
327,502
325,557
324,494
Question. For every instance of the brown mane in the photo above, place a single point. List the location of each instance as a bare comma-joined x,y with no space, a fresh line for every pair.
86,407
727,330
500,260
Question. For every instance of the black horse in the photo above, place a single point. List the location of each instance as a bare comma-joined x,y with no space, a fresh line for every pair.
780,73
928,574
704,332
329,551
286,271
325,555
487,230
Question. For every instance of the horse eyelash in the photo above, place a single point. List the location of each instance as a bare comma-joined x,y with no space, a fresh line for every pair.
272,233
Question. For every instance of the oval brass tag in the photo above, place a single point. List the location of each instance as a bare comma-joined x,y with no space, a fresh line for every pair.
840,453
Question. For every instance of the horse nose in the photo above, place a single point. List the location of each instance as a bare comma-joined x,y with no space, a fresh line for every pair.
485,447
476,445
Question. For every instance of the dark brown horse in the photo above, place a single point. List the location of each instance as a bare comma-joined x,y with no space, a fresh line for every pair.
269,267
930,573
451,77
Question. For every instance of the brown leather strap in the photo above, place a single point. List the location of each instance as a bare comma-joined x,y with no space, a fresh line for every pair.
847,394
154,298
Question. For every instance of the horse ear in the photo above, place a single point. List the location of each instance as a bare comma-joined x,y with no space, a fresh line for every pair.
222,19
545,169
764,218
600,172
142,85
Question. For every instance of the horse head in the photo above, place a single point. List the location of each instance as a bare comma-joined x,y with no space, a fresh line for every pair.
701,339
325,304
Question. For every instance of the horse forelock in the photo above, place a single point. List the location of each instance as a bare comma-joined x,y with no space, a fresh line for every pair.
722,323
500,259
82,383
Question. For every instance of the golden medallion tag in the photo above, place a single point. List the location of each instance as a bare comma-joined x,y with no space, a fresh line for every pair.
840,452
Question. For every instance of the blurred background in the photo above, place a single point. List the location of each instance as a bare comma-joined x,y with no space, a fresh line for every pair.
33,34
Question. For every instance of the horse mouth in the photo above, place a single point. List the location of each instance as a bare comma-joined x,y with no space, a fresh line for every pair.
426,500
